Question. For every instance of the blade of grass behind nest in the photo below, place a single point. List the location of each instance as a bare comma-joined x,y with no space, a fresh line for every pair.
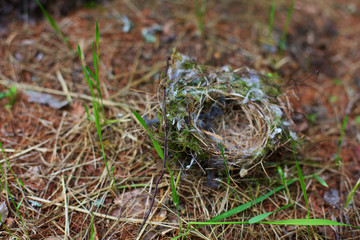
271,21
200,11
351,194
286,26
155,143
54,25
301,179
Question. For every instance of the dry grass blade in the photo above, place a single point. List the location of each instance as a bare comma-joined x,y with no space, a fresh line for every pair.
23,86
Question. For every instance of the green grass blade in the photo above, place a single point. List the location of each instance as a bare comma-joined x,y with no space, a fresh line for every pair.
286,26
92,228
91,74
90,84
87,78
95,60
11,170
155,143
338,158
308,222
265,215
173,189
301,179
54,25
97,44
351,194
297,222
96,67
19,204
98,128
226,167
248,204
88,114
8,189
321,181
175,196
271,21
200,11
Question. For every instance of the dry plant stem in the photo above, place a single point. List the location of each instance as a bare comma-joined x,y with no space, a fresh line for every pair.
165,147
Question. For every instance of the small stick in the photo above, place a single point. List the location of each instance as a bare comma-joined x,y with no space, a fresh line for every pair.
165,148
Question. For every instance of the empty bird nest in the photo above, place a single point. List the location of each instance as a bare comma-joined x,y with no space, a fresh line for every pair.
208,108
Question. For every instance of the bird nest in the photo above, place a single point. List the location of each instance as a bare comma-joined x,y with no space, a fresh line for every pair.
208,107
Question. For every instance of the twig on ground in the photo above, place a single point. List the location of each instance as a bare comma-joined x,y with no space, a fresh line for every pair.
165,147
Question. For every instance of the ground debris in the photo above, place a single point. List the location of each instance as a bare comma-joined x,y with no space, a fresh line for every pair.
47,99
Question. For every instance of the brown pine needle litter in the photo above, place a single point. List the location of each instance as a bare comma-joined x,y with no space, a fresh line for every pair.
60,185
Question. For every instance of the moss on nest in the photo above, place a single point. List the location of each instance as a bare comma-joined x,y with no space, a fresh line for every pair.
207,106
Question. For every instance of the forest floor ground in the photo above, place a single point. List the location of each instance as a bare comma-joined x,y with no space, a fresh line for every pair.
55,151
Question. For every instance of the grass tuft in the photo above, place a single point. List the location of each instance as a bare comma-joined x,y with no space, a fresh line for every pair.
96,98
286,26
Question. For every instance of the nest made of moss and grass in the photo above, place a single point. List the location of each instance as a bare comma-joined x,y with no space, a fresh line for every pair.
207,108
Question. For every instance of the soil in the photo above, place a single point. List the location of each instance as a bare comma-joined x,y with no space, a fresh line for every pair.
56,152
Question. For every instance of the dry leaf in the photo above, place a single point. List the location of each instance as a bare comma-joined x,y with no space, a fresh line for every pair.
131,204
44,98
4,211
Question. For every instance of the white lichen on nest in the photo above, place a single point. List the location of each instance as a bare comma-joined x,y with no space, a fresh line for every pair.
208,106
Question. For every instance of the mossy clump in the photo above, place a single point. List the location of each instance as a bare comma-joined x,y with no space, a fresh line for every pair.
207,106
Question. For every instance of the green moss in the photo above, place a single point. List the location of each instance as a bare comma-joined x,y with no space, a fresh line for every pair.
187,65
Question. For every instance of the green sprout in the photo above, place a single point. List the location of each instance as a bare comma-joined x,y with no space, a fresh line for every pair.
10,94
